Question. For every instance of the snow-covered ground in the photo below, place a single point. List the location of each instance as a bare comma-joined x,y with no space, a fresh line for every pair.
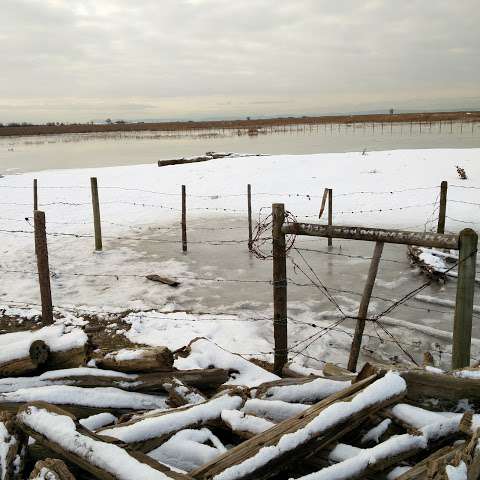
141,207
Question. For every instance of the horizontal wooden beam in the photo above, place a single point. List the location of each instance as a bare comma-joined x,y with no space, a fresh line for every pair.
423,239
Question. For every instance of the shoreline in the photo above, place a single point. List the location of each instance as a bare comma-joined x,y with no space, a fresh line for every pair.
252,125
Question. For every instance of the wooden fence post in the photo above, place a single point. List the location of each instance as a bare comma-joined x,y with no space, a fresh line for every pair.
35,194
184,219
363,309
462,326
279,289
96,214
330,213
443,207
250,232
41,251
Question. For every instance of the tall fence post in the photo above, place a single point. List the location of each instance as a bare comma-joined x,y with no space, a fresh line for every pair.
443,207
97,225
249,201
41,251
363,309
184,218
279,289
330,213
462,325
35,194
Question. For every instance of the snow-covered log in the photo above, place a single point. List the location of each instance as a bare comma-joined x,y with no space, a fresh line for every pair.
58,431
51,469
151,359
12,448
83,402
180,394
244,425
388,453
264,455
147,432
273,410
300,390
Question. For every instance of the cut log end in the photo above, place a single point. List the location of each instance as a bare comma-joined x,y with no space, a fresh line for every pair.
39,352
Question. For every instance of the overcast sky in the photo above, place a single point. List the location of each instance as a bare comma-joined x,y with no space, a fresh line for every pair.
67,60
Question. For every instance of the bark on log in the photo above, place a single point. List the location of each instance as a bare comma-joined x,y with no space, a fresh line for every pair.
38,355
83,457
51,469
72,358
154,359
180,394
12,446
310,444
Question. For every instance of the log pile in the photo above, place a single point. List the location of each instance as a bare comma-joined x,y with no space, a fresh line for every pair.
156,414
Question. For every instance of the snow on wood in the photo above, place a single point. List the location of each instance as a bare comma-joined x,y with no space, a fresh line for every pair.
83,400
150,431
264,455
180,394
51,469
274,410
244,425
150,359
301,390
387,453
97,421
375,433
103,460
189,449
201,353
12,448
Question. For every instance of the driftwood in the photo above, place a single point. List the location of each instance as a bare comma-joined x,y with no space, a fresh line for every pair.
82,458
12,447
165,280
148,359
309,445
51,469
180,394
38,355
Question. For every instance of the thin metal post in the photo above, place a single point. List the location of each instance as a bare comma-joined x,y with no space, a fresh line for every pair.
462,326
250,231
363,309
443,207
279,289
97,225
184,218
41,251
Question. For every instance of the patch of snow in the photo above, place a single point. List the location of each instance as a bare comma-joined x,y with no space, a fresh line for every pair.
275,410
240,421
97,421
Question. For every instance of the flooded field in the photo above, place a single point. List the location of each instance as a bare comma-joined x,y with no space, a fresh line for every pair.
21,154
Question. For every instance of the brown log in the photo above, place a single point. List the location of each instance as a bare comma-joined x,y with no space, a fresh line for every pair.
149,359
308,446
82,459
51,469
180,394
72,358
334,372
13,446
38,355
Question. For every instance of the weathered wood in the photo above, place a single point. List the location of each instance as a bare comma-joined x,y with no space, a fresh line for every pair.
180,161
97,224
443,207
335,372
462,325
262,390
74,357
38,355
12,447
35,194
330,214
51,469
82,457
271,437
363,309
249,206
324,200
41,251
184,219
180,394
165,280
279,289
425,239
146,359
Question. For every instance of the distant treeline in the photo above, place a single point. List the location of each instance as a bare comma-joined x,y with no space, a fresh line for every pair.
25,128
